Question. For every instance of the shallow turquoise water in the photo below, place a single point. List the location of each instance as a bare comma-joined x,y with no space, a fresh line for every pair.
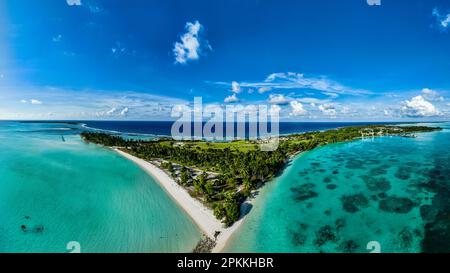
62,191
337,198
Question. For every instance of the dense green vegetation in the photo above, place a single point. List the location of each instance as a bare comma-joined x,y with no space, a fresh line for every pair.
223,174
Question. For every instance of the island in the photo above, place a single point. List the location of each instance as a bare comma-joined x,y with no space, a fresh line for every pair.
216,182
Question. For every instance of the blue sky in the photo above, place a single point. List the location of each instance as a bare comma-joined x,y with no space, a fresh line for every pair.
315,60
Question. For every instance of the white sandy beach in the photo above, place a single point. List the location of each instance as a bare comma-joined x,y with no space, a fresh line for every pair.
202,216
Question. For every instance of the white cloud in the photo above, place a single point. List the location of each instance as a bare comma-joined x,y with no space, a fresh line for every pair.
431,95
297,109
32,101
89,5
191,44
292,80
114,112
331,95
345,110
181,108
278,99
299,81
231,99
124,111
264,89
419,107
328,109
235,87
84,104
443,20
274,109
111,111
74,2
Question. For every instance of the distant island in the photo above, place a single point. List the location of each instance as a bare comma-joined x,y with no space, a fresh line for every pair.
212,181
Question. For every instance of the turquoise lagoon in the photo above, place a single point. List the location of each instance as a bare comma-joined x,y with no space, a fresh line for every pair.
54,189
338,198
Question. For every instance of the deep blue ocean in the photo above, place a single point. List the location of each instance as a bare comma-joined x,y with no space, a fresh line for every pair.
163,128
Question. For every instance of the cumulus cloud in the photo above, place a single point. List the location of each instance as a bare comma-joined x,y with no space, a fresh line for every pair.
328,109
74,2
274,110
431,95
278,99
419,107
235,87
36,102
191,45
23,101
443,20
231,99
297,109
114,112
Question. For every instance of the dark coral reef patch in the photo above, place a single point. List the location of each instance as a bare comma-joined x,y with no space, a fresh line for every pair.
353,203
304,192
395,204
378,184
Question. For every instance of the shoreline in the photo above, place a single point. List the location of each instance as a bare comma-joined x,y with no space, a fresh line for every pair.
200,213
202,216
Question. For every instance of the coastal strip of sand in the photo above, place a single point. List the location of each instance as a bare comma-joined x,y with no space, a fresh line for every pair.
199,213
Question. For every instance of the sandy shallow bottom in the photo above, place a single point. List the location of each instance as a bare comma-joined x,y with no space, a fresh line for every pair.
64,191
201,215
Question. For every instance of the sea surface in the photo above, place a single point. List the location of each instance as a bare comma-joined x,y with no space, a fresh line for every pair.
388,194
54,189
163,128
